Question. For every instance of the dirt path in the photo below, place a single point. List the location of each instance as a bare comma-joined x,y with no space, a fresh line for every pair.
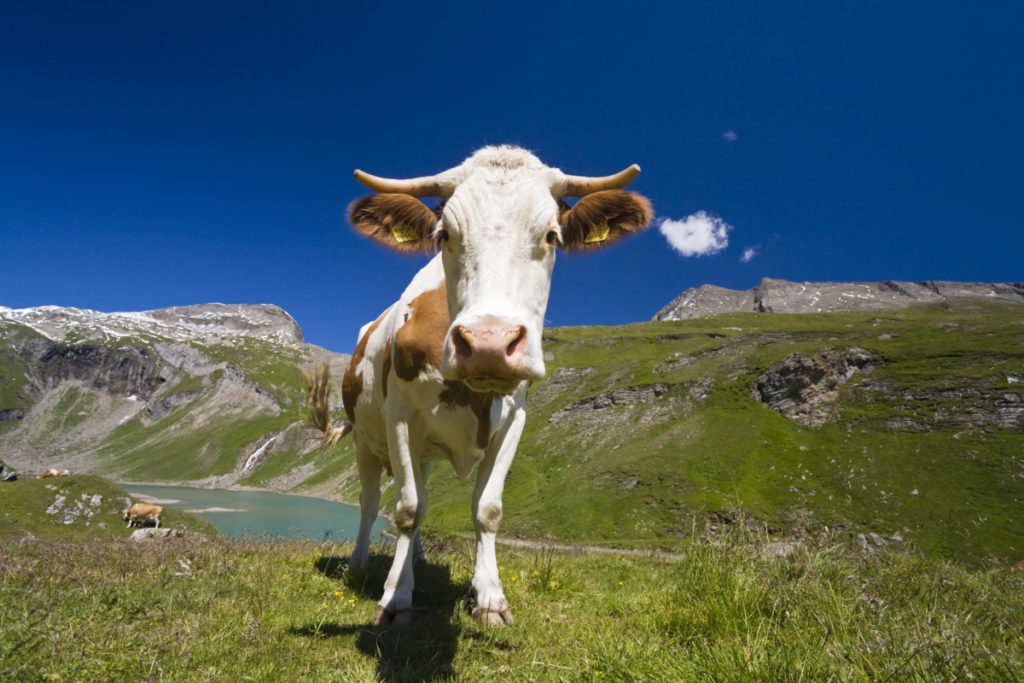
600,550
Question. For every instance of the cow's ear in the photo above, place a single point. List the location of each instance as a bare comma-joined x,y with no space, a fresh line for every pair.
395,220
603,217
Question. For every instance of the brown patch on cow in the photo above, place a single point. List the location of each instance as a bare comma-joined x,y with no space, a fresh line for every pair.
457,394
602,218
489,517
406,518
352,383
387,369
419,342
397,221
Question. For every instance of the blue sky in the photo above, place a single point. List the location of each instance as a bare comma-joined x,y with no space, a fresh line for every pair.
156,154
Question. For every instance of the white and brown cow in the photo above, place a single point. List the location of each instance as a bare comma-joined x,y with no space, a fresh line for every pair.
55,472
140,511
443,373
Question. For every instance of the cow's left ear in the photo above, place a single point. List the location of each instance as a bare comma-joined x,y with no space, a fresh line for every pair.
603,217
397,221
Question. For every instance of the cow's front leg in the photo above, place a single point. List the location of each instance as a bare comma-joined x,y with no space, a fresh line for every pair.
491,606
411,506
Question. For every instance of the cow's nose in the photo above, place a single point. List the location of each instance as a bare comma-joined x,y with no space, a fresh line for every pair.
489,349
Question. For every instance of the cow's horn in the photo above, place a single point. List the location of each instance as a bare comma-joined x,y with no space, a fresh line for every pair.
427,186
579,186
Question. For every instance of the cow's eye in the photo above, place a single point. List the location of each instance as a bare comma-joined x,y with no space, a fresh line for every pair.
551,237
442,236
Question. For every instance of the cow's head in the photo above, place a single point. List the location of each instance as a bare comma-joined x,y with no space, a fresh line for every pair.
498,225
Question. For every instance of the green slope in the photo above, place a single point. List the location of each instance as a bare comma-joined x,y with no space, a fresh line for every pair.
916,452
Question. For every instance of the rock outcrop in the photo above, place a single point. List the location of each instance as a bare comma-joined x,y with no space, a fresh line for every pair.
6,473
805,388
152,534
624,396
782,296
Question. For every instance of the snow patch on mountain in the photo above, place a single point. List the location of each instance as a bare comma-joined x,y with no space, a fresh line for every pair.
212,323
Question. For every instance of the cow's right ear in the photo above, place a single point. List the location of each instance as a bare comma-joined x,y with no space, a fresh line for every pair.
397,221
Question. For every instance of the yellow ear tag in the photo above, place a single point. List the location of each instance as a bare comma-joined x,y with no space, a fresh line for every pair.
598,233
405,233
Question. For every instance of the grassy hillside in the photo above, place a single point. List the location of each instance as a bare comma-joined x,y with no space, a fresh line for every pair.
640,435
925,447
79,507
727,610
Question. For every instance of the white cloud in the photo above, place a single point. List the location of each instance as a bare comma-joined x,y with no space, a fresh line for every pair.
698,234
730,135
748,254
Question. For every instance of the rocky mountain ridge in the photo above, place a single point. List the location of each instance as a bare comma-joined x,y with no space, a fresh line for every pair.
212,323
783,296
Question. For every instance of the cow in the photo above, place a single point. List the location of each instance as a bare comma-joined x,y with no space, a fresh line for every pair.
55,472
443,373
140,510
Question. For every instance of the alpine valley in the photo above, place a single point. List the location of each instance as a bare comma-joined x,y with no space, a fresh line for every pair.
896,421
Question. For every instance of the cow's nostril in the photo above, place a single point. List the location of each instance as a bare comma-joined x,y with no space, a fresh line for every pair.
517,343
463,347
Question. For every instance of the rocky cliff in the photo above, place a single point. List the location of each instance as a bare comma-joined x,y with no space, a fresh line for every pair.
782,296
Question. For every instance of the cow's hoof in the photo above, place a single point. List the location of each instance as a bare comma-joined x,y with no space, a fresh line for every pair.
493,617
397,617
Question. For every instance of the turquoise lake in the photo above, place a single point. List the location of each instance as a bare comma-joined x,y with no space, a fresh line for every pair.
260,513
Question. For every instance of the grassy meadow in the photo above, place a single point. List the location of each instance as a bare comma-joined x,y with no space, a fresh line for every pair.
726,608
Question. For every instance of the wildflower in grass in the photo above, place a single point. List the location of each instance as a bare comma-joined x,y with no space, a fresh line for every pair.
340,594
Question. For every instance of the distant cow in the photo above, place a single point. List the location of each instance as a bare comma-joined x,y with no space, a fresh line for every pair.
443,373
140,510
55,472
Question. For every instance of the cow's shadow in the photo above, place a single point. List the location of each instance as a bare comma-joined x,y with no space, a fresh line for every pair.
422,650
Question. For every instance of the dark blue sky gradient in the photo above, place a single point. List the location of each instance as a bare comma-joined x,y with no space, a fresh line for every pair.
160,154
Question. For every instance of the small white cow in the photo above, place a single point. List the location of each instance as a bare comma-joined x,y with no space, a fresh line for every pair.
139,511
443,373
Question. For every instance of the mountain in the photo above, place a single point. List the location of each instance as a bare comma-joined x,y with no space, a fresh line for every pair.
782,296
191,393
